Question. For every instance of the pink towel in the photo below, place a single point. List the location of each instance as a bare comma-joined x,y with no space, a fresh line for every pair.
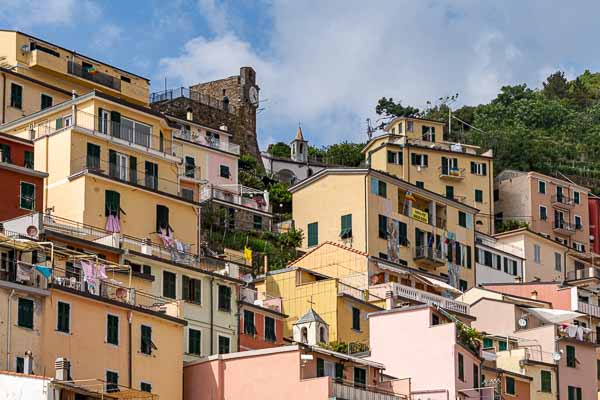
113,224
89,273
101,271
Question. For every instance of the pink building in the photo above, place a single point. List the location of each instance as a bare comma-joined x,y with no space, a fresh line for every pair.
421,343
294,372
555,208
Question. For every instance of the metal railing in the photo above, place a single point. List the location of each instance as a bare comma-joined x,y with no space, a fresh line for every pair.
453,173
563,332
349,391
202,98
585,273
562,199
190,171
429,253
588,309
123,133
360,294
203,140
98,77
237,194
564,226
35,279
421,296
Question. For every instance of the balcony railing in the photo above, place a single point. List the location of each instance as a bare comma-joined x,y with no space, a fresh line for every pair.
429,254
237,194
585,335
585,273
187,171
356,392
98,77
420,296
562,200
440,222
588,309
136,135
451,173
564,227
359,294
203,140
199,97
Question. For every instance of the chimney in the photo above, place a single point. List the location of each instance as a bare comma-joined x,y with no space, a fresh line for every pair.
223,127
389,300
63,369
28,364
534,295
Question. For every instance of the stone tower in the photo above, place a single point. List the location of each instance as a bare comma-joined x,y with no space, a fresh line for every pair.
299,147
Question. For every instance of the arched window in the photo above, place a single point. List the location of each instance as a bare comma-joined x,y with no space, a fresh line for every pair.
322,336
304,335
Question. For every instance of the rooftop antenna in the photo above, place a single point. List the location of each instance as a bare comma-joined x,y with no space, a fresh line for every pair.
370,129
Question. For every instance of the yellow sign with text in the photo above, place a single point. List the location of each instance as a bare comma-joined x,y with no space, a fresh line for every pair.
420,215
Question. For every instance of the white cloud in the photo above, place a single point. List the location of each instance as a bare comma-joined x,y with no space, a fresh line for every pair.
107,37
25,14
327,63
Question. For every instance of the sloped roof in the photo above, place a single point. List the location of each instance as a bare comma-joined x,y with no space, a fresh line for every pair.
299,135
310,316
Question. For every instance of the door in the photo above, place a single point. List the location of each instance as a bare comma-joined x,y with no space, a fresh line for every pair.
559,194
122,167
104,122
559,218
360,377
445,169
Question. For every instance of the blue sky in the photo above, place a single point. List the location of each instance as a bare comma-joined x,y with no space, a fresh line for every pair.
325,63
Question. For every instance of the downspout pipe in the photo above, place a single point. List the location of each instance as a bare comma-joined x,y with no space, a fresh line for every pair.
130,355
212,316
3,97
8,333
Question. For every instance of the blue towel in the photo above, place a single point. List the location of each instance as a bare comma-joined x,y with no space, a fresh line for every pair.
46,271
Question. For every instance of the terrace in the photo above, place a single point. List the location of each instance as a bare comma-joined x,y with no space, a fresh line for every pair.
204,141
237,194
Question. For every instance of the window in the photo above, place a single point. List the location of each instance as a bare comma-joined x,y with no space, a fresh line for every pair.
394,157
112,203
313,234
145,387
488,343
479,196
25,317
46,101
187,194
93,156
27,198
191,289
249,328
112,381
496,194
257,222
428,133
223,344
478,168
421,160
151,175
28,161
449,192
578,224
360,377
169,284
270,334
128,80
557,262
190,167
224,298
571,361
576,197
355,319
194,341
420,184
546,379
16,95
383,227
63,320
346,224
378,187
410,126
112,329
20,365
461,367
463,285
146,339
542,187
135,132
162,218
224,171
543,213
502,345
537,253
476,380
510,385
462,219
5,153
574,393
435,320
320,367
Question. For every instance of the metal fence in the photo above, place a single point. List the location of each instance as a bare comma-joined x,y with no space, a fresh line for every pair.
202,98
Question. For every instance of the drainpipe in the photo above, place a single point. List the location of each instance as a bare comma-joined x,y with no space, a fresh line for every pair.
239,312
367,212
212,314
8,322
3,97
130,357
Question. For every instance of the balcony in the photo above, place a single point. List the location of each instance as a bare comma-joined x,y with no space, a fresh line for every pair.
584,336
364,295
421,297
429,256
588,309
137,136
584,273
95,76
451,173
203,140
190,173
564,228
42,58
237,194
252,296
198,97
356,392
562,201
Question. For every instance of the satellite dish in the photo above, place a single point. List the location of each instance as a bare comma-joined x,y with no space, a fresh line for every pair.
522,322
32,231
556,356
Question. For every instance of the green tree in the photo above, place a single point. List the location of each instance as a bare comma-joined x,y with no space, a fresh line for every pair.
556,86
280,197
345,153
388,107
279,149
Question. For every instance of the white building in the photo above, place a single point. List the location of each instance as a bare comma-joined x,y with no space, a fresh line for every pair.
497,262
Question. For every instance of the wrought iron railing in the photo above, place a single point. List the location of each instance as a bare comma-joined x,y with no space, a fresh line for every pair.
98,77
201,139
202,98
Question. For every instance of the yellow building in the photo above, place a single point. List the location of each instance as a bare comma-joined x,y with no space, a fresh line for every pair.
65,69
414,150
388,218
343,307
109,158
105,329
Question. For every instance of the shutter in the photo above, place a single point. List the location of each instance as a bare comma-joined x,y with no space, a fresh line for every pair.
115,116
115,124
197,290
162,217
99,120
185,287
402,233
400,157
339,371
320,367
473,167
425,160
112,163
469,257
59,123
413,159
458,253
133,169
484,169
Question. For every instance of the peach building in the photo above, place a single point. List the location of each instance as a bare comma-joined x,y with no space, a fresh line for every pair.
261,320
447,366
555,208
293,372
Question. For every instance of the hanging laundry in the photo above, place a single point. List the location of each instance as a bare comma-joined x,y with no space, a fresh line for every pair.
46,271
572,330
89,273
24,271
165,237
580,333
113,225
101,271
179,246
248,254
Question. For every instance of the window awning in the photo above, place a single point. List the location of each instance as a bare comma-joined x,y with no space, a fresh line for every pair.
438,283
553,316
